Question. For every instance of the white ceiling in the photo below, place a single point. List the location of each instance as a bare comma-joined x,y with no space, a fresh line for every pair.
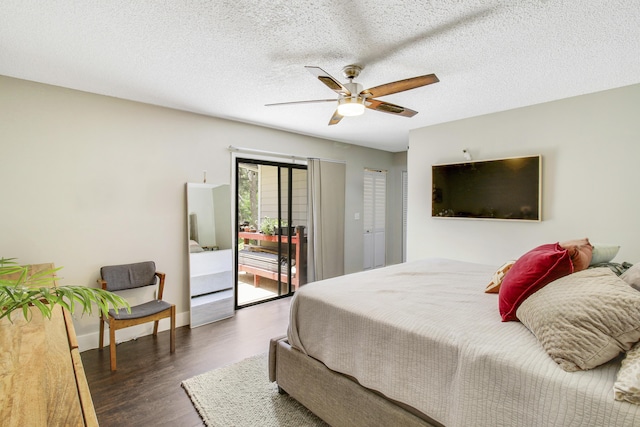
227,58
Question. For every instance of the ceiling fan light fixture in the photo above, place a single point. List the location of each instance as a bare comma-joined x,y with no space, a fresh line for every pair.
351,106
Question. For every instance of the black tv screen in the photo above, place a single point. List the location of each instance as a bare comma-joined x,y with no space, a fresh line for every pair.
489,189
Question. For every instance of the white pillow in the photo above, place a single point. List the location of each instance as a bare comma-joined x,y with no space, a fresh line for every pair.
632,276
627,385
603,253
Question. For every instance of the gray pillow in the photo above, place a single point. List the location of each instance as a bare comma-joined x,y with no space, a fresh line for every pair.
632,276
616,267
603,253
584,319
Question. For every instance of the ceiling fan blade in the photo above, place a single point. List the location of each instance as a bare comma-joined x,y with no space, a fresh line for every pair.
329,81
400,85
335,119
386,107
301,102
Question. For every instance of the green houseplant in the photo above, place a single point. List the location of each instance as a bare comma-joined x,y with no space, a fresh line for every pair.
20,290
269,226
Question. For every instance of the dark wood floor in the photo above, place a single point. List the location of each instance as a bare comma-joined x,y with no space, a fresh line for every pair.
145,390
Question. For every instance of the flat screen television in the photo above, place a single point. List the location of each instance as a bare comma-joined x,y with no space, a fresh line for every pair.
507,188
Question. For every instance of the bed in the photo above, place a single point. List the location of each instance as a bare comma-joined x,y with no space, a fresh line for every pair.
420,343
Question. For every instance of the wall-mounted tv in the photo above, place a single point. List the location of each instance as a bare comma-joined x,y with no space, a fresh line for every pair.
488,189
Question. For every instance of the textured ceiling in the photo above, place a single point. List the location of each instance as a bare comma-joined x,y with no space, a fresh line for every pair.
228,58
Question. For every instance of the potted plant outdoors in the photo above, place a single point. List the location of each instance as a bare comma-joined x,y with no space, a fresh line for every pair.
269,226
20,290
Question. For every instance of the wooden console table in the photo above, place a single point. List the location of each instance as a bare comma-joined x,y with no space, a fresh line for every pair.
42,381
297,239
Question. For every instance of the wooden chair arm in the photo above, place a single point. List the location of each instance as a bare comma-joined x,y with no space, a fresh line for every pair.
102,283
161,284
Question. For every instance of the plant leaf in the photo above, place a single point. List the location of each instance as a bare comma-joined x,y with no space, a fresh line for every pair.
21,291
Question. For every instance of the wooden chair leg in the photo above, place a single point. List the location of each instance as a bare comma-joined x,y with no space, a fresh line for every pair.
173,329
112,346
101,333
155,328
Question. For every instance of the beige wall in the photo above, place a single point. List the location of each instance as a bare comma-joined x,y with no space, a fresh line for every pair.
91,180
591,148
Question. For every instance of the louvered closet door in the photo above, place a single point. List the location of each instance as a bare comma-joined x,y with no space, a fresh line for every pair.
374,218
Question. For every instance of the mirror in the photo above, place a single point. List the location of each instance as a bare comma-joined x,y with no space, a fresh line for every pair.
210,252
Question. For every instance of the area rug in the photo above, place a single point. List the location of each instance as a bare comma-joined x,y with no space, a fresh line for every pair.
241,395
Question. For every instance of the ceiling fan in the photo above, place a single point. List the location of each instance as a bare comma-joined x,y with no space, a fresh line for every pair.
352,100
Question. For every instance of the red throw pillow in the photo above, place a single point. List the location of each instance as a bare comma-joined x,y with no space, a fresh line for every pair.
531,272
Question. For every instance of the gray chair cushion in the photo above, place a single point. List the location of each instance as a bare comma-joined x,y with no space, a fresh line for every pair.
128,276
142,310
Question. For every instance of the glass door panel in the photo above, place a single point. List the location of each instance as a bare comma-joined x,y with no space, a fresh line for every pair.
271,253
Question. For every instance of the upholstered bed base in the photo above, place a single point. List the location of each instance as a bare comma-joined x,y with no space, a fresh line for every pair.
335,398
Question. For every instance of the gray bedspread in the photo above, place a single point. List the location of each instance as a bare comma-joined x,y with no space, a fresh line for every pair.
424,333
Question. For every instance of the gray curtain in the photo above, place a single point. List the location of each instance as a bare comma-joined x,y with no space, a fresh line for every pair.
326,210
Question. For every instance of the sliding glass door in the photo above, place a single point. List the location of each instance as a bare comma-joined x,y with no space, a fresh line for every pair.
271,216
